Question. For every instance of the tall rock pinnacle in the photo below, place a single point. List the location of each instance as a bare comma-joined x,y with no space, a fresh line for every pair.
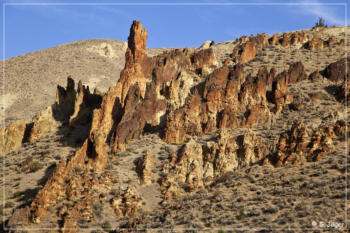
137,40
137,67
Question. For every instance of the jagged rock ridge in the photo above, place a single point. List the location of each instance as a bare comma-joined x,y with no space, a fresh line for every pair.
181,95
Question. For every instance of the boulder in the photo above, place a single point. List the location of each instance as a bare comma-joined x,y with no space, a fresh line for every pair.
336,71
314,44
11,138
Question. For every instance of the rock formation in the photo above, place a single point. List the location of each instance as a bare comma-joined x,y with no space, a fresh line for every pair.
126,203
226,101
196,166
144,168
207,44
181,95
11,138
296,38
280,96
300,145
65,99
247,50
84,104
315,43
42,124
338,71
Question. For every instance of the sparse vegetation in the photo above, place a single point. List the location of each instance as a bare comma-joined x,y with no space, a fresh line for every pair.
17,194
107,226
36,166
9,204
83,223
320,23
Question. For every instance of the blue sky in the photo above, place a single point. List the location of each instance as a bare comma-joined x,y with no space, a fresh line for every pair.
33,27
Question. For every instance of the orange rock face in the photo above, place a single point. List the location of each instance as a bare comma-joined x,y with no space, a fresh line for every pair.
248,49
227,101
315,43
299,145
280,96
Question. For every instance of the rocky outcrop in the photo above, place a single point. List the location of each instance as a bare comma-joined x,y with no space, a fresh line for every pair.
83,190
280,96
338,71
11,138
65,99
249,51
207,44
300,39
296,38
75,106
70,105
246,51
178,94
331,41
126,203
42,124
274,39
228,99
137,101
301,144
315,43
196,165
170,84
145,167
85,103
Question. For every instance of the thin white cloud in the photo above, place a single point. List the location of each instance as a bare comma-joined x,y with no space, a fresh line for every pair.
330,13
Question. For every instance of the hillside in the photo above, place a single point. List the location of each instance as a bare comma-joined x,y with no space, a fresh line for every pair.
244,135
96,62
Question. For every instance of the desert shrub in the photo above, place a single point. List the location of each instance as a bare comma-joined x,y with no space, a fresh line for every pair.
320,23
113,192
9,204
107,226
241,215
83,223
97,209
36,166
78,170
130,149
17,194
